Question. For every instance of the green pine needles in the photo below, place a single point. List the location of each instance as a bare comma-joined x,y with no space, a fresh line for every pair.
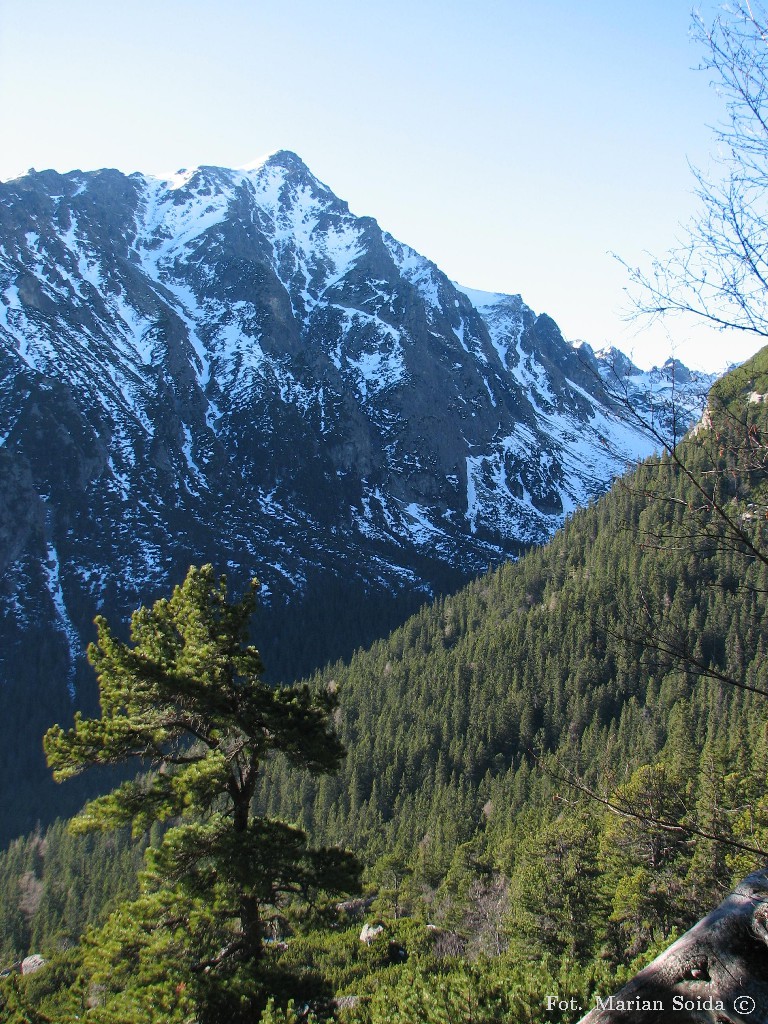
184,698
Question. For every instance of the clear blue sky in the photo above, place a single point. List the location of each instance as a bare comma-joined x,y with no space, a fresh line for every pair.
514,142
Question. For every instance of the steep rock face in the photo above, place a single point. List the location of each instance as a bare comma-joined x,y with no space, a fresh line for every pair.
229,366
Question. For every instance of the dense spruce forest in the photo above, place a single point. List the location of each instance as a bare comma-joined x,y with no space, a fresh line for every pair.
549,775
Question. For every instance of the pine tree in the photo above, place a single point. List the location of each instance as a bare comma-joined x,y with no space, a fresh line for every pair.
185,699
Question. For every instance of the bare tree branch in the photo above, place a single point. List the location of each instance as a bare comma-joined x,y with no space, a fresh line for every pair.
643,816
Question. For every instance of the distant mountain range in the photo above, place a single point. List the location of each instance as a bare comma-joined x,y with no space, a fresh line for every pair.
229,366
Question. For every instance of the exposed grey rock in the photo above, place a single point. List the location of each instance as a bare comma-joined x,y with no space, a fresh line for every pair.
229,366
370,932
32,963
346,1002
355,908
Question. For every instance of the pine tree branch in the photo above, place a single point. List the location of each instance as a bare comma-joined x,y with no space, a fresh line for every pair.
569,779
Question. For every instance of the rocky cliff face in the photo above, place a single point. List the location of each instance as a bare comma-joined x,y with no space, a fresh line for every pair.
229,366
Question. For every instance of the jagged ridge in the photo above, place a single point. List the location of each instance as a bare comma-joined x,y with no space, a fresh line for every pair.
228,365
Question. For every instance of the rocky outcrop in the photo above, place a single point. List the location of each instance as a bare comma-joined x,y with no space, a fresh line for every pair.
32,963
370,932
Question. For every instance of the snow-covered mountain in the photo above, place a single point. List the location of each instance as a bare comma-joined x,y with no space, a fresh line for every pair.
229,366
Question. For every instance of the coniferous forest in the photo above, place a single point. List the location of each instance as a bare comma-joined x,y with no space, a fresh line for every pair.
497,811
548,776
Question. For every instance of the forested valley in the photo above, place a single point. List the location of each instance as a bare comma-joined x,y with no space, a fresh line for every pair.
548,776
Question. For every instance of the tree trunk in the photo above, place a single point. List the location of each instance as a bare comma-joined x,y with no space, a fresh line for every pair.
250,924
717,971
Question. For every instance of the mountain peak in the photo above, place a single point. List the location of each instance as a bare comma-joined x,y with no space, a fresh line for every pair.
616,362
227,366
288,160
284,158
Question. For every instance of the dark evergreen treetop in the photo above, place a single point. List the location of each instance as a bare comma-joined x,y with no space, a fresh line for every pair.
185,698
